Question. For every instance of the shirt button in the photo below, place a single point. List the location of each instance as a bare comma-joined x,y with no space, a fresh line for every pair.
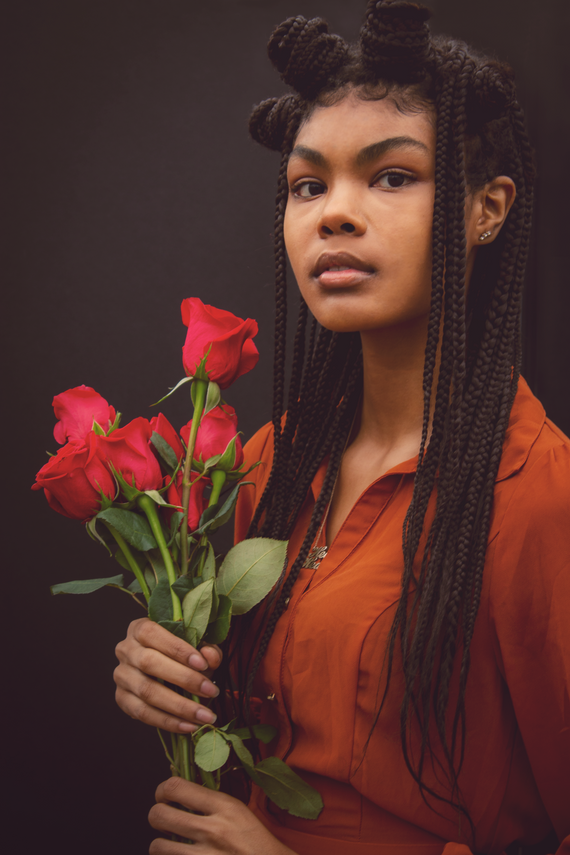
271,697
287,601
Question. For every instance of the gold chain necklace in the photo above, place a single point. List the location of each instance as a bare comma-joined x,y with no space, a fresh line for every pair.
317,553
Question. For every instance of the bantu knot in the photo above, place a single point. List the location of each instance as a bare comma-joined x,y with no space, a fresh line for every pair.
395,40
492,92
305,54
273,120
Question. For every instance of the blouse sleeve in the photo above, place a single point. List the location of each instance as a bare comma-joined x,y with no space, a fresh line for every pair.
530,611
258,449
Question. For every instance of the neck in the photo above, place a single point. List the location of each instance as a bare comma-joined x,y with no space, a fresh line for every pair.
392,402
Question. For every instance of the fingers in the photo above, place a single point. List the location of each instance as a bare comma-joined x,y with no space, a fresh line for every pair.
154,704
193,796
149,654
168,847
155,664
149,634
169,820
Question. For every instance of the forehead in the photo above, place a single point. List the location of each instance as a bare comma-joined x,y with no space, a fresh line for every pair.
354,124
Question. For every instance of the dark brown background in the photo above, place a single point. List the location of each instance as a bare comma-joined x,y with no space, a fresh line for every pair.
132,184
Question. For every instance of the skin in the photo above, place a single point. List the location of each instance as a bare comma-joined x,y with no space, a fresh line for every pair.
347,195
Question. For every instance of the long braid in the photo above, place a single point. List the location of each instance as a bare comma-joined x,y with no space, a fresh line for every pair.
472,355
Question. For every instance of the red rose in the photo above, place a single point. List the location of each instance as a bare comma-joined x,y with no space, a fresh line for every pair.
129,450
76,409
232,352
216,430
162,426
198,503
72,478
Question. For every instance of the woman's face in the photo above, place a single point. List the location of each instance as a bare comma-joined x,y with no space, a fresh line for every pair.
358,222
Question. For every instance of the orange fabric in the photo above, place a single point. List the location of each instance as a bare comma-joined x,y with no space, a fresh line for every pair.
324,663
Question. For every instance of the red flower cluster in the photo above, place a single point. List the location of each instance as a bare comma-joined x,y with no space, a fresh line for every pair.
75,477
94,448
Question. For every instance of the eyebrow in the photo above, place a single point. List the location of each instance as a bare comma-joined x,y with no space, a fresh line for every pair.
365,155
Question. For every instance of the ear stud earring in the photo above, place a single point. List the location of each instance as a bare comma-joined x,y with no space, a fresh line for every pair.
485,235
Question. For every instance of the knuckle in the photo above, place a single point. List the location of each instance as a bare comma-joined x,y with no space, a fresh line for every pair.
172,787
146,659
147,691
137,626
140,711
156,816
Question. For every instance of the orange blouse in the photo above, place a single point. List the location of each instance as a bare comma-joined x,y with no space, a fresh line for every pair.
322,673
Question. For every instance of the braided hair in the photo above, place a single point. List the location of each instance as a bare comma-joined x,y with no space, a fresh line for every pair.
480,135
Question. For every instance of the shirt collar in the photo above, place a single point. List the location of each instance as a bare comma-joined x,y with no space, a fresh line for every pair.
525,423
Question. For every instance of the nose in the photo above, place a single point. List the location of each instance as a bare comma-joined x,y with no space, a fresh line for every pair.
339,215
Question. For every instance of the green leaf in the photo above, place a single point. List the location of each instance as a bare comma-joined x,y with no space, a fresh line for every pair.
160,603
173,390
91,527
165,450
250,570
134,527
182,586
175,521
264,732
134,587
211,751
215,516
209,568
176,627
157,564
242,752
286,789
85,586
213,396
218,630
196,608
191,636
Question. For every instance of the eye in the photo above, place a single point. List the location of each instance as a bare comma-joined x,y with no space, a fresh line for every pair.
307,189
393,180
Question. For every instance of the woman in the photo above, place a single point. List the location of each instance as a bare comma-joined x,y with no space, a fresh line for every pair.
419,685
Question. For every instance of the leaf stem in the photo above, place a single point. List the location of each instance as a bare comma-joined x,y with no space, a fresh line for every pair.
149,507
131,561
200,390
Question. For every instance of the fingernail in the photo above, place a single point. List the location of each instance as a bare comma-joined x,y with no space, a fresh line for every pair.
186,727
209,689
197,661
206,716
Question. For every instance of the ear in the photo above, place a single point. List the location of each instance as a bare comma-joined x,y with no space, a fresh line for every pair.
488,210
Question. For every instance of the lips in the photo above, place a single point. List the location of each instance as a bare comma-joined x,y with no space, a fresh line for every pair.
341,262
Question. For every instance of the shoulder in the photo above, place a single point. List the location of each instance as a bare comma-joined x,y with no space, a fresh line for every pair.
528,559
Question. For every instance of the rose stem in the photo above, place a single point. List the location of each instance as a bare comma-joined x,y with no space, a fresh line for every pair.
200,389
125,549
149,507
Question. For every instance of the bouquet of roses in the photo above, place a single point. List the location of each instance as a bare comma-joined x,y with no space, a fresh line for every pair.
154,498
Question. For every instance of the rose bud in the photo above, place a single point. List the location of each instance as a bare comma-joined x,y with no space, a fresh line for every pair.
225,338
217,430
76,410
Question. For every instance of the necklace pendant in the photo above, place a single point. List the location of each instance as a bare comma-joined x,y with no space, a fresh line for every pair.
315,557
